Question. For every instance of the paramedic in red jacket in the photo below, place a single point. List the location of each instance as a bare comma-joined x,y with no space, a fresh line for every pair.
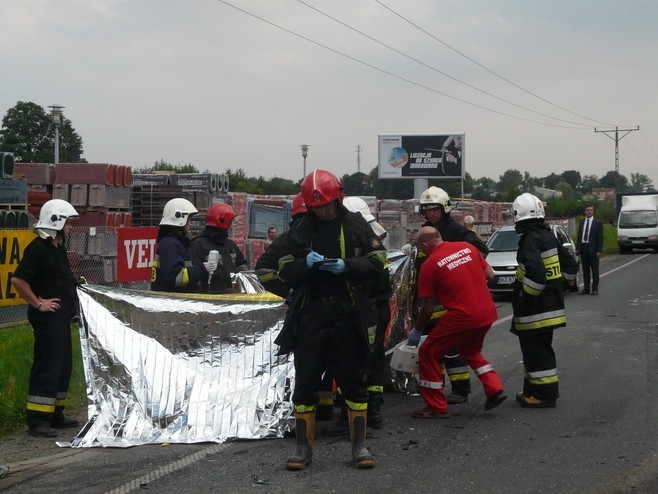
456,274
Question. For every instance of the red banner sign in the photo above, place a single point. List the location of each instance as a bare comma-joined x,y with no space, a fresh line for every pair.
135,253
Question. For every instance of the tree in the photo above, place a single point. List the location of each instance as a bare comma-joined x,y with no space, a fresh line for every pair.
550,182
640,183
27,131
573,178
164,166
357,184
614,180
588,183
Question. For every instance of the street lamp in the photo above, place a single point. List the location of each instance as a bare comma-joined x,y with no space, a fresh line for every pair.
56,116
304,155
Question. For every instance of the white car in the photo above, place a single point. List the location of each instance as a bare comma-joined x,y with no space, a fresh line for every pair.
503,245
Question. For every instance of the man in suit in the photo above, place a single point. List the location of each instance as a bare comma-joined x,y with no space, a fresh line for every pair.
590,247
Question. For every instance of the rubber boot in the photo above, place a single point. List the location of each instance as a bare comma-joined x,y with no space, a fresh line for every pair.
375,420
360,454
304,432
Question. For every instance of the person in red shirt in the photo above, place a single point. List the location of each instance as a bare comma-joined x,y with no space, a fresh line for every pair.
456,274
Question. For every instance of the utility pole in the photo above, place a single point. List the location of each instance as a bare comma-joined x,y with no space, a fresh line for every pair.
358,157
617,139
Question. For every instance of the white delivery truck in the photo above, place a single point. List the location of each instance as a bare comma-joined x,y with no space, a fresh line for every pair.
637,225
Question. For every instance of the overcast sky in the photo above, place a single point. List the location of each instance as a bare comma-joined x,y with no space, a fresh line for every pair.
198,81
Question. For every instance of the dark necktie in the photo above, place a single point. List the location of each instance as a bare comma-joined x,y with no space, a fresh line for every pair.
586,236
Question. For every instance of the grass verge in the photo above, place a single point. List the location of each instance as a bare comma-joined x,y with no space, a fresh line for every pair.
16,347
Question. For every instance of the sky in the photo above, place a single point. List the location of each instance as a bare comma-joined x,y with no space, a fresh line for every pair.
241,84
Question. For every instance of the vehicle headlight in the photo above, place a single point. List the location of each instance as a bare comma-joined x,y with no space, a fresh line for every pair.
653,237
622,237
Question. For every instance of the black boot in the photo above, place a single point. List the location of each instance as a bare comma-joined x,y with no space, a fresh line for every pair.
304,432
38,424
360,453
375,420
59,421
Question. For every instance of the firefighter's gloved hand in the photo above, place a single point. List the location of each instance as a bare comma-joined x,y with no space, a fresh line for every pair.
414,337
406,249
312,258
336,266
210,266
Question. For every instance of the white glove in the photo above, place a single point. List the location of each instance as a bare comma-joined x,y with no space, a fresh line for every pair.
210,266
406,249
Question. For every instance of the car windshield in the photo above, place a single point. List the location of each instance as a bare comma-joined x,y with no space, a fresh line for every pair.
504,241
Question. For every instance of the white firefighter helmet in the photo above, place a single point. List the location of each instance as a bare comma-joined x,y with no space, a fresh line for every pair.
526,207
53,217
435,196
177,211
358,205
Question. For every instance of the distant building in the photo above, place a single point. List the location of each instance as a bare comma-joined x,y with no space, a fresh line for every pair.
543,193
604,194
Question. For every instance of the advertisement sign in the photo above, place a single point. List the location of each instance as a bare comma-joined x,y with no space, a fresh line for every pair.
12,246
135,253
421,156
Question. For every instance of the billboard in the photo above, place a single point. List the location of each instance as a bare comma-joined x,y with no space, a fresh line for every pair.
135,252
12,246
421,156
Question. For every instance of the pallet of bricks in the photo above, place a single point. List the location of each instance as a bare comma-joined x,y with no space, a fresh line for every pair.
100,192
13,195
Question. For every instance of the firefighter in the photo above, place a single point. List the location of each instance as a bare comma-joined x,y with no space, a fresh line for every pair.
436,206
538,300
382,292
44,280
329,259
215,237
172,268
455,273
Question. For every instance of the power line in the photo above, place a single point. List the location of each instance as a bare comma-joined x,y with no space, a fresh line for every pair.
486,68
384,71
437,70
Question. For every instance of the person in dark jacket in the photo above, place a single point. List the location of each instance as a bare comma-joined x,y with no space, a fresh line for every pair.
589,246
328,260
172,268
435,204
538,301
45,281
215,238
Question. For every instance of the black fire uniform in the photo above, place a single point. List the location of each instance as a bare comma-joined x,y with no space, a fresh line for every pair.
46,268
329,316
377,358
230,261
456,367
538,302
172,268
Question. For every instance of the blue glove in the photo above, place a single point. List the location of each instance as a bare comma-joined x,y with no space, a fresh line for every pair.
414,337
312,258
335,267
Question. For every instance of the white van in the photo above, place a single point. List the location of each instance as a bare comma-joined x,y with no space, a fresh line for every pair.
637,225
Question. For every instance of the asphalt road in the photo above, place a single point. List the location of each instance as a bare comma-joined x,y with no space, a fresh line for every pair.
601,437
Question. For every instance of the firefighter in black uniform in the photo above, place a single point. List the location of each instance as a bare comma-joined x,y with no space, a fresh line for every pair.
382,292
435,204
215,237
538,300
44,280
329,260
172,268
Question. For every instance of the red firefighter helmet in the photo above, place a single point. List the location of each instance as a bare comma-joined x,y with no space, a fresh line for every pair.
220,215
320,188
298,205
